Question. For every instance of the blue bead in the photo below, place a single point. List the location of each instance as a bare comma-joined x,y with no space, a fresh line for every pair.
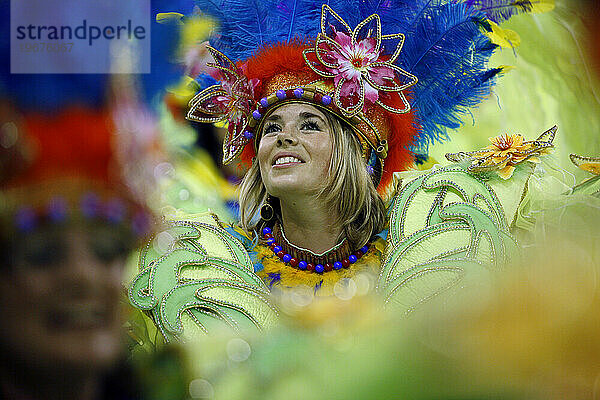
57,209
281,94
266,230
352,259
364,249
370,170
25,219
140,223
337,265
298,92
256,114
319,268
286,258
264,102
90,205
302,265
270,241
277,249
248,134
114,211
326,100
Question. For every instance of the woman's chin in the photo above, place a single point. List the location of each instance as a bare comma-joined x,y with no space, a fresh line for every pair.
292,182
286,188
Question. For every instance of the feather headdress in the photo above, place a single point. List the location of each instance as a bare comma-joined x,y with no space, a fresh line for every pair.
399,73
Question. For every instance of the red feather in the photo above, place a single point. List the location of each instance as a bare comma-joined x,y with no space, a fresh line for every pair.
74,143
275,59
403,134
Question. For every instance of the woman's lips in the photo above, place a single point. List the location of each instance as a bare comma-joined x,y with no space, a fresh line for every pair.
286,159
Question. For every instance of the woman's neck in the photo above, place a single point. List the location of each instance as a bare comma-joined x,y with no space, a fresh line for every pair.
308,223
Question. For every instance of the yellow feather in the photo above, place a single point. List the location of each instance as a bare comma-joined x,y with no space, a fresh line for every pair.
169,18
291,277
184,90
504,38
541,6
196,30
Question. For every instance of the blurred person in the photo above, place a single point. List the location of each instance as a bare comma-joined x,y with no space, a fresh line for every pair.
60,308
68,223
74,195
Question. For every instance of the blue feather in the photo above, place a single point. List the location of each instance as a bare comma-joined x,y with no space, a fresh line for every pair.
380,7
274,277
293,15
500,10
445,49
301,20
244,25
50,93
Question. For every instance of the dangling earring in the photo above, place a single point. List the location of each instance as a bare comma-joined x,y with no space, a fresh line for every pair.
267,212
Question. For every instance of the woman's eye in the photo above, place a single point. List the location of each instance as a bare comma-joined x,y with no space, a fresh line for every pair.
43,252
310,126
109,243
270,128
107,250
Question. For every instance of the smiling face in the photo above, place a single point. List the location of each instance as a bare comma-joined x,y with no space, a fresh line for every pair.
294,152
60,300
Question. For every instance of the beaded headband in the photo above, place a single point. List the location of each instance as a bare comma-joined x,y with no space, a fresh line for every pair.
58,210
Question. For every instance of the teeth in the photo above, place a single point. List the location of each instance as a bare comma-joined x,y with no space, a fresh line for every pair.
287,160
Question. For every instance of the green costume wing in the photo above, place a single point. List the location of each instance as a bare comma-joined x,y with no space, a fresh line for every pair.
196,277
448,227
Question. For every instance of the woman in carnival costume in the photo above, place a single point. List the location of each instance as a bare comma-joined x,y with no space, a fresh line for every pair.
325,103
68,224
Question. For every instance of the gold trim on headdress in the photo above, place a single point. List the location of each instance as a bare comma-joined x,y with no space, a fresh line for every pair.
232,100
360,56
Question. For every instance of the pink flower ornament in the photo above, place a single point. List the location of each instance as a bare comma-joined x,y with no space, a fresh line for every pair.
231,100
363,72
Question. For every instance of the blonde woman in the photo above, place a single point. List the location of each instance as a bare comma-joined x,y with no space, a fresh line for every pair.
319,203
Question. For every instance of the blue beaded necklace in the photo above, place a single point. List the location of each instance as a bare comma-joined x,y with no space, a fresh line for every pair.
319,268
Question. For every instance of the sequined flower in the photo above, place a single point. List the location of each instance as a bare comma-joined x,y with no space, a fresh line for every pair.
362,72
507,151
231,100
589,164
589,185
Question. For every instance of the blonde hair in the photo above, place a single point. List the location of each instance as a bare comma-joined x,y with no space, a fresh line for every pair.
348,189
